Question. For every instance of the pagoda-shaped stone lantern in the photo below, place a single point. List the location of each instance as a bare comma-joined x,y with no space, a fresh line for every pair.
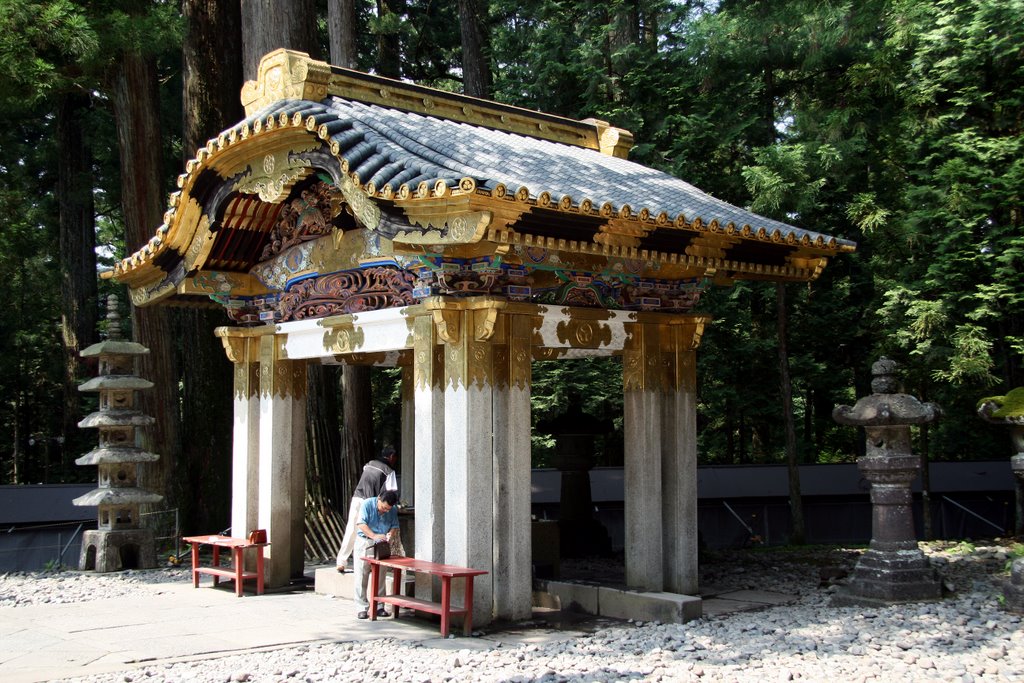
1009,410
893,569
119,542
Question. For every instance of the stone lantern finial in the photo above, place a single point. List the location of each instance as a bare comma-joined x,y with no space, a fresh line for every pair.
893,569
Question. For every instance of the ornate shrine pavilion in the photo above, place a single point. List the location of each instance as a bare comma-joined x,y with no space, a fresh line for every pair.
356,219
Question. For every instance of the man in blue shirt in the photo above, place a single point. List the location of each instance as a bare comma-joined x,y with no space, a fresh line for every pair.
378,521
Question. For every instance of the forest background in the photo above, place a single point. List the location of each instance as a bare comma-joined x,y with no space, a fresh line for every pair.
897,124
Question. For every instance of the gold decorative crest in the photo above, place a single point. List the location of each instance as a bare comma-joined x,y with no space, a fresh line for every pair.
278,172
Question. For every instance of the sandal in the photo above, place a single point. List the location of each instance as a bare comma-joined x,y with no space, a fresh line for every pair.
363,615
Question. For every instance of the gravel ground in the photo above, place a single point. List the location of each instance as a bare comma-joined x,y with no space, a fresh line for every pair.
966,637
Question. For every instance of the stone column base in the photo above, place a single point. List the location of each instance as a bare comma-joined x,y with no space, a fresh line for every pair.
1013,591
111,551
888,576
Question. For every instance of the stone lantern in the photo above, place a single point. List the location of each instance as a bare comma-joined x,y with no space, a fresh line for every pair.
580,533
1009,410
119,542
894,569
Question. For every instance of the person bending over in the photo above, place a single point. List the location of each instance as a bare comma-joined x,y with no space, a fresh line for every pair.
378,520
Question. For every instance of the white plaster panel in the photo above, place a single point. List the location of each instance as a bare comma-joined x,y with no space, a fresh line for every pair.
616,321
384,330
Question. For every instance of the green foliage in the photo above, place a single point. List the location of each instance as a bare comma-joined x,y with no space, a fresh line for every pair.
895,123
591,385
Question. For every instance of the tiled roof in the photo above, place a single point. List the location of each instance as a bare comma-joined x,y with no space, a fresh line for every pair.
386,146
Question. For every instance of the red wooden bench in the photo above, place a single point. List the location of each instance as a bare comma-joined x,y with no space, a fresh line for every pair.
236,571
447,572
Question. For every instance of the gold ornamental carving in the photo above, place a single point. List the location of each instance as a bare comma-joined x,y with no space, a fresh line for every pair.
428,356
202,243
448,323
622,233
501,368
520,356
642,362
485,322
286,74
582,333
461,228
363,208
283,379
479,372
277,172
247,381
344,339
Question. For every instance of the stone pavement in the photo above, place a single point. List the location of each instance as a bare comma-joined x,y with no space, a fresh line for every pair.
178,622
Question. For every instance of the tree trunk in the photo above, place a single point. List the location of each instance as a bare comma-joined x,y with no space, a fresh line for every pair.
77,260
324,471
357,430
389,54
342,24
476,49
271,24
786,390
136,111
212,64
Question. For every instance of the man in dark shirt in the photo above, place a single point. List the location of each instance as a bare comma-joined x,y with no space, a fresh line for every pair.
378,476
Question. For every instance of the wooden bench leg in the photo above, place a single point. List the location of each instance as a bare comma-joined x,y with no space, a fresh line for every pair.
396,585
374,582
259,570
446,604
467,627
216,563
195,565
236,557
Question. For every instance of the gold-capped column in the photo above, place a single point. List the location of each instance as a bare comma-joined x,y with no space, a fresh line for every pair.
119,542
428,446
512,541
242,346
642,378
468,445
282,459
679,341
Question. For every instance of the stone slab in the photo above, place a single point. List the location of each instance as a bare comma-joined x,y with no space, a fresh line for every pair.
329,581
668,608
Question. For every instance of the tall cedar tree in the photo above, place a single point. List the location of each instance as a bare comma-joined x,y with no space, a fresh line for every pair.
211,79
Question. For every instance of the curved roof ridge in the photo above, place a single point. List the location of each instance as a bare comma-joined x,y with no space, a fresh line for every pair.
428,154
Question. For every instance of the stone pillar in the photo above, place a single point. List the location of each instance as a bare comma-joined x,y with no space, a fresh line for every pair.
243,350
642,430
428,448
679,461
468,453
512,488
1014,589
894,569
282,461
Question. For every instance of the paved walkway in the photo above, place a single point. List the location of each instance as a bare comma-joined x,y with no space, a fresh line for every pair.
178,622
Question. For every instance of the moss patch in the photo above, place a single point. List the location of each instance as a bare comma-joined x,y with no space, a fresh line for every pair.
1011,405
